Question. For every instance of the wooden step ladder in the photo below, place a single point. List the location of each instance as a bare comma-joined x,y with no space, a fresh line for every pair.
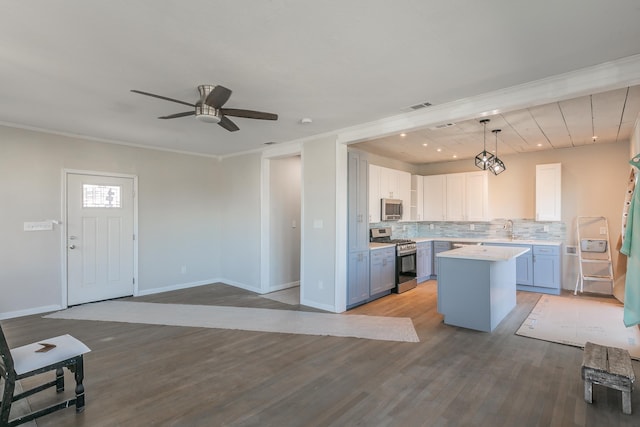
594,253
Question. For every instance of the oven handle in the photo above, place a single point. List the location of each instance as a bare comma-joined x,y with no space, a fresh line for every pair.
411,252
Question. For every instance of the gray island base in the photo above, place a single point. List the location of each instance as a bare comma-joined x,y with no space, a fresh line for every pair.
477,285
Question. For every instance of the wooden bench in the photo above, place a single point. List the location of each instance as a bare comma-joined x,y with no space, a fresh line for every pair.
610,367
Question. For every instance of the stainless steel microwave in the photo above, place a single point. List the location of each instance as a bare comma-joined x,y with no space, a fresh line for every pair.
391,209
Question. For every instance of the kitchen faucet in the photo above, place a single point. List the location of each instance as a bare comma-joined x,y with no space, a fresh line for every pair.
509,227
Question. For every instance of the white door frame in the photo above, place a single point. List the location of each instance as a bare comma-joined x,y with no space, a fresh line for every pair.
63,227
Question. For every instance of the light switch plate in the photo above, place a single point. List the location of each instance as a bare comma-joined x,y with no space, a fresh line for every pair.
38,226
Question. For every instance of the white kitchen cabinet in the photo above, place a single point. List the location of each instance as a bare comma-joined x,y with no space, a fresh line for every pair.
476,188
374,193
455,195
433,197
404,193
424,261
386,183
417,205
549,192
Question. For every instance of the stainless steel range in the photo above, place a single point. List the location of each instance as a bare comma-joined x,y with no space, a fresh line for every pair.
405,258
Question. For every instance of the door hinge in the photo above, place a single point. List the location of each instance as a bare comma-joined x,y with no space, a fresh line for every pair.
134,237
134,280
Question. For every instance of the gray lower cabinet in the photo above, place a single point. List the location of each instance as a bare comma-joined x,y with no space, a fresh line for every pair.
437,248
537,270
546,268
357,225
383,270
424,261
358,280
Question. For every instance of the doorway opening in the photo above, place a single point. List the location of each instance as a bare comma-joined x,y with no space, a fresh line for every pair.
282,214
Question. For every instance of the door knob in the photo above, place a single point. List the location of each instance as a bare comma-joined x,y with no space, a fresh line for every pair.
72,247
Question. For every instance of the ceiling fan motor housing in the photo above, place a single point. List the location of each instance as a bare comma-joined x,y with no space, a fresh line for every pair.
204,112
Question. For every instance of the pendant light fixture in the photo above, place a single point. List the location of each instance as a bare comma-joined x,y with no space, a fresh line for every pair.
484,160
498,165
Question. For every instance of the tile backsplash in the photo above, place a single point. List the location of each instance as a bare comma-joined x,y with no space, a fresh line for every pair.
526,229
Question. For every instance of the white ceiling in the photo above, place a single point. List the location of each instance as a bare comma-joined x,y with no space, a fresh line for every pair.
68,66
607,116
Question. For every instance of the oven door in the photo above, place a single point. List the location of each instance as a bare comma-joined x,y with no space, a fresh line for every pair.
405,272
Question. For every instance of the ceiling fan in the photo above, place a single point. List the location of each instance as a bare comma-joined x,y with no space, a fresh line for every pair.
209,107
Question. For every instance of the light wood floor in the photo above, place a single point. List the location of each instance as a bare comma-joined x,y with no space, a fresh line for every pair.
145,375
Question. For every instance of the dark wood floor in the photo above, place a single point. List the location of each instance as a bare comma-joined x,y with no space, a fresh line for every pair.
145,375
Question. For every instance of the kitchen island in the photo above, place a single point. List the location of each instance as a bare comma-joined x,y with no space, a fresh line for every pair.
477,285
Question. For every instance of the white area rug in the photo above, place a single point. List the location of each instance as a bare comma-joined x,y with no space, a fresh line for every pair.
289,296
574,321
248,319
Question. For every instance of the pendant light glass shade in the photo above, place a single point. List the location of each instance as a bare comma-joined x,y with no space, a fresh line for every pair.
498,165
484,160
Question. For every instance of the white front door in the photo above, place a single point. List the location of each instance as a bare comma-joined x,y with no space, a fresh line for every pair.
100,239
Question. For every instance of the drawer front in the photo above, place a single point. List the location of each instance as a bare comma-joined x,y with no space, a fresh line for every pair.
546,250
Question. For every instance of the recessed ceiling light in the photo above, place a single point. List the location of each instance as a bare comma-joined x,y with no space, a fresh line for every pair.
439,150
305,120
425,144
455,156
403,135
539,145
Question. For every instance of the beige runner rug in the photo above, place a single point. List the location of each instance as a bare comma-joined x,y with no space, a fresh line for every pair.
248,319
574,321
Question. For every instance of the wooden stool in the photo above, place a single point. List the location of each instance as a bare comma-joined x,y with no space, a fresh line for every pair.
610,367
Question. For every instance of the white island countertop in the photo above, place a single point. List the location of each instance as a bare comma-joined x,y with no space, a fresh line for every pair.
485,253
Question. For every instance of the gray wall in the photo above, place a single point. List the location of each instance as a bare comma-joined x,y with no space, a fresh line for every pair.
318,276
178,214
239,195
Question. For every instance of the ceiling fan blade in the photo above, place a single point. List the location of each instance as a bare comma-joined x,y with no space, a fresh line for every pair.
162,97
175,116
228,124
249,114
218,96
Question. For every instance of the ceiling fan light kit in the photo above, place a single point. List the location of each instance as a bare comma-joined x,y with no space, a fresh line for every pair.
209,108
484,160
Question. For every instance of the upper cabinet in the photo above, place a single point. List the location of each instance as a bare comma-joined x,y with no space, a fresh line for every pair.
374,193
434,198
476,191
385,183
548,192
417,194
456,197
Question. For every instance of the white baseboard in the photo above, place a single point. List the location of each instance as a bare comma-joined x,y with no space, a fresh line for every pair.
29,311
313,304
241,285
176,287
283,286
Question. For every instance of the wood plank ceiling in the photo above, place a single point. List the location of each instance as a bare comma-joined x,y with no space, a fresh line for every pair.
593,119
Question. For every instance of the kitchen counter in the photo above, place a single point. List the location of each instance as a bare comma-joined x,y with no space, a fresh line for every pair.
485,253
488,241
375,245
477,285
